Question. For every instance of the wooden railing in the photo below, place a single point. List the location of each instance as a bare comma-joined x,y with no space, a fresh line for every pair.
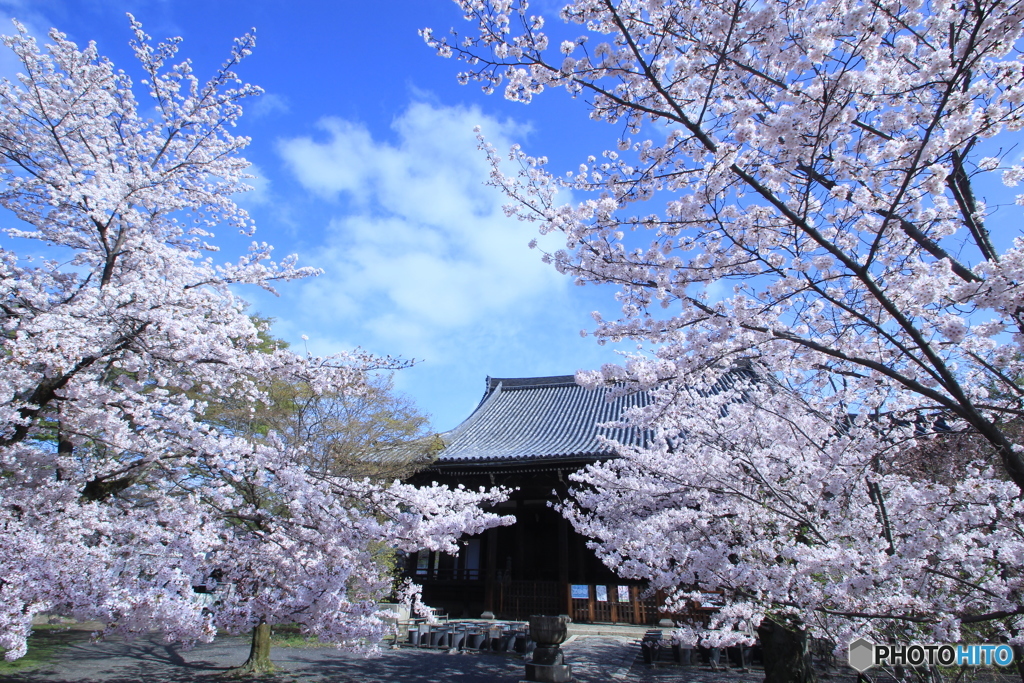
445,574
519,599
619,604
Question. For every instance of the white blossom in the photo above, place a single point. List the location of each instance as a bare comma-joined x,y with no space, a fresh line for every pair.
117,496
844,137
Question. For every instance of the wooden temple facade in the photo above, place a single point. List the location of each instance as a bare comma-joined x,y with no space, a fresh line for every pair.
530,434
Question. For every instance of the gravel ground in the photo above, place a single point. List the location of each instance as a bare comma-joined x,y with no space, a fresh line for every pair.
594,658
600,658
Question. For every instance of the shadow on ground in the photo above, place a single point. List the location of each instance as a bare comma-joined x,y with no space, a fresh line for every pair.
595,659
153,661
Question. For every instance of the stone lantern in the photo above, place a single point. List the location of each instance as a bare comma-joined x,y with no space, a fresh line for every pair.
548,665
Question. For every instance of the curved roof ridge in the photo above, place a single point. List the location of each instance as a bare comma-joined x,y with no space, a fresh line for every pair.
489,397
531,382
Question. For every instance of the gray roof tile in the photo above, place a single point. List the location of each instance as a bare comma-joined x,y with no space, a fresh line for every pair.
539,418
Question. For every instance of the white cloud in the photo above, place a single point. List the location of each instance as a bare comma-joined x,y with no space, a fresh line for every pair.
425,256
268,104
422,262
260,192
34,22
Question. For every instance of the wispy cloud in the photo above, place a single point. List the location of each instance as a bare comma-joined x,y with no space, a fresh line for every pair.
268,104
424,251
25,12
260,192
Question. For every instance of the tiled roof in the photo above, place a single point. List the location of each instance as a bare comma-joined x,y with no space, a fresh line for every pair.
538,418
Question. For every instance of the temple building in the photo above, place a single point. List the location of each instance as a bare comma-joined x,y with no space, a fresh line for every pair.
530,434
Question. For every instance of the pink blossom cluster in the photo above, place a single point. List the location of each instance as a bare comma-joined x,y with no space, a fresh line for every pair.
119,500
843,525
794,185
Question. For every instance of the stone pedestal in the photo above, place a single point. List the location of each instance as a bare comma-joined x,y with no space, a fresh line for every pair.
548,665
548,673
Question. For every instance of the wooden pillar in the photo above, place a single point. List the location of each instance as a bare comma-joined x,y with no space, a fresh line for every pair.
518,564
592,592
613,601
563,563
492,561
639,618
579,551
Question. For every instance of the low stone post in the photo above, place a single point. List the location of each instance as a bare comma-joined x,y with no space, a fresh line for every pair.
548,665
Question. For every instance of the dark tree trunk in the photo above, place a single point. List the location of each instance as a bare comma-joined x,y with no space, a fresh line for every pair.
259,653
786,653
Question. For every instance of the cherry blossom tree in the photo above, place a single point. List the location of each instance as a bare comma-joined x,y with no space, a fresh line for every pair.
796,185
117,498
841,532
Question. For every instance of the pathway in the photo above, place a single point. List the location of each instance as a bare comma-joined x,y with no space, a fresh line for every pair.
595,659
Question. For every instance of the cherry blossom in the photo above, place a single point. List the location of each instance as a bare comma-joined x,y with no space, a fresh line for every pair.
118,500
793,187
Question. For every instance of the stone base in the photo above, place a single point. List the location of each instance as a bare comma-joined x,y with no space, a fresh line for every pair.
548,673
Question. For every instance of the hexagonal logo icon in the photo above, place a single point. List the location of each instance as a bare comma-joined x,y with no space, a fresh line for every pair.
862,654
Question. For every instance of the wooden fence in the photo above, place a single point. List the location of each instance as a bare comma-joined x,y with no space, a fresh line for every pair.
519,599
616,604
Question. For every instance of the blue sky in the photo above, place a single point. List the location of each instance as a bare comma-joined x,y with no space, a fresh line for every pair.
367,167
